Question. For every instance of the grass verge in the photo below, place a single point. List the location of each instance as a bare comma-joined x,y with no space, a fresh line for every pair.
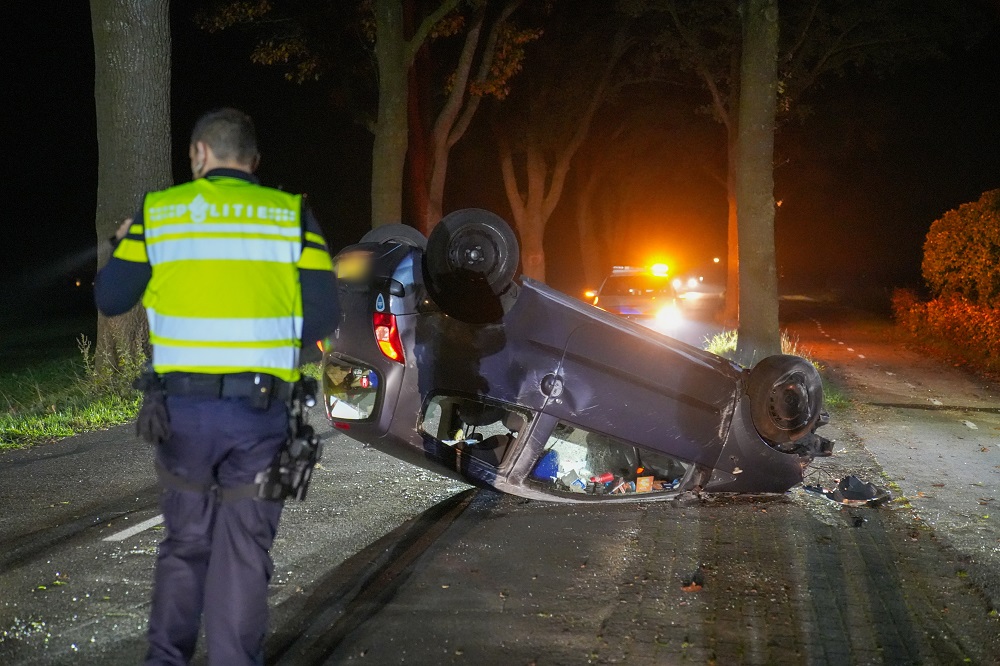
57,398
724,344
64,397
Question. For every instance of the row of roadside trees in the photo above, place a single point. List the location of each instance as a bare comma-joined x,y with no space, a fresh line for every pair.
417,73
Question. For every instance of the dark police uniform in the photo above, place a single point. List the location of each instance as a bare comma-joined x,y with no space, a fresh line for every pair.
235,278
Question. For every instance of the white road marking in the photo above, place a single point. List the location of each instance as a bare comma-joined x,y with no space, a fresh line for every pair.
850,349
861,355
135,529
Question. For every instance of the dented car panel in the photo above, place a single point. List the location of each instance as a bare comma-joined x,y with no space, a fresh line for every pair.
553,399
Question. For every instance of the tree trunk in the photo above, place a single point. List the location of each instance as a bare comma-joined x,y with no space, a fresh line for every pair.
758,329
441,137
420,106
391,124
544,182
417,152
532,239
529,209
730,118
731,313
591,246
132,98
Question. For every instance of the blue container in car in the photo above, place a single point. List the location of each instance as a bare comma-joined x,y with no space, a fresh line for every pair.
547,468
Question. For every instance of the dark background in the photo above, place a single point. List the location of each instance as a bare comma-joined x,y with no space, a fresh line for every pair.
859,182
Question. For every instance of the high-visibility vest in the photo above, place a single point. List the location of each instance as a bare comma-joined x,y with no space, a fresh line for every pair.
224,295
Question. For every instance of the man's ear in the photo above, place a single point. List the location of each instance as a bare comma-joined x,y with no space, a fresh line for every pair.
199,155
255,162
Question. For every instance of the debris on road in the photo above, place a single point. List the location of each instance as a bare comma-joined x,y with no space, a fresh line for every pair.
695,581
854,492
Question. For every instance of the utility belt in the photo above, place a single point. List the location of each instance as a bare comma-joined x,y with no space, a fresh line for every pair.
289,473
259,387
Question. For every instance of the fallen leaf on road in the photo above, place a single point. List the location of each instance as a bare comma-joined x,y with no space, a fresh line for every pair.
970,425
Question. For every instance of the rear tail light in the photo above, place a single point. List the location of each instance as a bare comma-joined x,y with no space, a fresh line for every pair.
387,336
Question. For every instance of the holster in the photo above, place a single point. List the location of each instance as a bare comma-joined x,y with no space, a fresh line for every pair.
290,473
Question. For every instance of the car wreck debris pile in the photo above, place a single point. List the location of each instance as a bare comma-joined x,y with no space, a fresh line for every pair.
852,491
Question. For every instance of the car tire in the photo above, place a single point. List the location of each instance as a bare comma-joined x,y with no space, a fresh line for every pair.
396,233
475,241
470,263
786,398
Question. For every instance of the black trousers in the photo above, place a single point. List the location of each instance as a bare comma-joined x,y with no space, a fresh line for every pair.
214,562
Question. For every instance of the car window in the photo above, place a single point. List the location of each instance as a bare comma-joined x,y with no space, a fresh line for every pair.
579,461
351,389
455,418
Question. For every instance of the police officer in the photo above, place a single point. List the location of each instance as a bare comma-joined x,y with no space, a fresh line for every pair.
235,278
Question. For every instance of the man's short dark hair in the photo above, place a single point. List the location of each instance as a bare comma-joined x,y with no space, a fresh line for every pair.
229,133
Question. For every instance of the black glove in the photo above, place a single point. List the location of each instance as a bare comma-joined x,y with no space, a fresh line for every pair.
153,422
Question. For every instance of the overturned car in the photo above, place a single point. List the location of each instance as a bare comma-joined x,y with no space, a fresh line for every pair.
446,359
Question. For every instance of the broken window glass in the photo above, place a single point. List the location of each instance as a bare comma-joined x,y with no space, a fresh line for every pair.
477,428
579,461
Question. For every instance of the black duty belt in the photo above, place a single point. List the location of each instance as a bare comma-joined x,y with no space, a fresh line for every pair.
241,385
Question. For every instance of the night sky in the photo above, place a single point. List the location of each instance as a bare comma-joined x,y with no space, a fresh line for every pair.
860,181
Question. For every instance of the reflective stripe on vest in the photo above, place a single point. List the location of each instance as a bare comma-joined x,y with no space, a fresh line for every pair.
224,295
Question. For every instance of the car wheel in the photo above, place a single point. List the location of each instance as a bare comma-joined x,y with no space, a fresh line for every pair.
396,233
786,398
470,264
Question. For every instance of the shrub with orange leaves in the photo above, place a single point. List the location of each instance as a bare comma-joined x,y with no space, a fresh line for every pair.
955,324
961,265
962,252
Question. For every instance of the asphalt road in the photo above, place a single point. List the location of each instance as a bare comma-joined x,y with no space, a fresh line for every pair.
385,563
69,595
768,579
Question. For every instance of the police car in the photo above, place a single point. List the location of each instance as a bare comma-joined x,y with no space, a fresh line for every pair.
640,293
447,359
